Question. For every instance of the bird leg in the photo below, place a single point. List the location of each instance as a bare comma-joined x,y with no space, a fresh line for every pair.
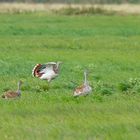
49,83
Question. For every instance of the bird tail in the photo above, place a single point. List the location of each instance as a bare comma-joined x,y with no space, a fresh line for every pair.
35,70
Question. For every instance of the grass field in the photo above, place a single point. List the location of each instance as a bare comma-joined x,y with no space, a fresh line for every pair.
109,46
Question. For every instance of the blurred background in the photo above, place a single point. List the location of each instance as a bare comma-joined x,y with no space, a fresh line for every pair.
76,1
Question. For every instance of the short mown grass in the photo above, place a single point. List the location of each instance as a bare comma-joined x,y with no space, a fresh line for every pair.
108,46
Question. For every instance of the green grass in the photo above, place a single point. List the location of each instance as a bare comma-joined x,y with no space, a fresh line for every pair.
109,46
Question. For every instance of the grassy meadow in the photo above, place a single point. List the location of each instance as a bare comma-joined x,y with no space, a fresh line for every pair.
108,46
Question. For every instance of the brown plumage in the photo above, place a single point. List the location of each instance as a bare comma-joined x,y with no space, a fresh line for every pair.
84,89
79,89
13,94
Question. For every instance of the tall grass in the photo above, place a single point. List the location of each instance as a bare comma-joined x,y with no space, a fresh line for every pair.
84,11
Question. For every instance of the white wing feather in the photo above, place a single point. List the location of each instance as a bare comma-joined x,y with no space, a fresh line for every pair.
48,73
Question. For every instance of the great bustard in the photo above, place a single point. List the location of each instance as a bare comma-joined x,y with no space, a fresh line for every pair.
46,71
13,94
84,89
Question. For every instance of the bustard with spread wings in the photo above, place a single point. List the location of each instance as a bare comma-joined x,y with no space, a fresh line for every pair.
46,71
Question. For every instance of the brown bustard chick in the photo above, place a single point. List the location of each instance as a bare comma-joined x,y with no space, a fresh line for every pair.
13,94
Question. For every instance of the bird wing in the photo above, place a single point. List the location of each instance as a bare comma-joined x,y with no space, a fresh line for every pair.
51,63
10,94
41,69
79,89
54,66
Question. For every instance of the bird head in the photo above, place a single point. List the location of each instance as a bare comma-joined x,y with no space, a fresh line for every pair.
58,63
20,83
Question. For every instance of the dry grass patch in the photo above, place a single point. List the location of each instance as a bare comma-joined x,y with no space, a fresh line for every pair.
24,7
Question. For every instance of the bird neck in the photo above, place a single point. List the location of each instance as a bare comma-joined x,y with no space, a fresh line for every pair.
56,68
57,65
18,90
85,78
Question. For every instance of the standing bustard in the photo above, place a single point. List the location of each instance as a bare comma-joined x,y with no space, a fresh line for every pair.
84,89
46,71
13,94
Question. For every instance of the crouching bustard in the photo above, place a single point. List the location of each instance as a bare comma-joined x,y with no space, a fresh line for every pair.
46,71
13,94
84,89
